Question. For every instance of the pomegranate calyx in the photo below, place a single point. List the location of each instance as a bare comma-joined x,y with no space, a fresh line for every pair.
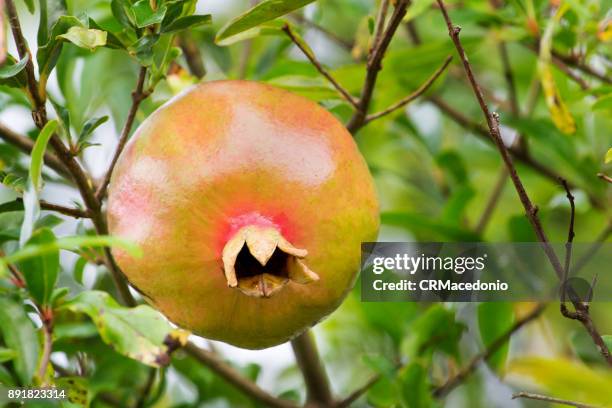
259,261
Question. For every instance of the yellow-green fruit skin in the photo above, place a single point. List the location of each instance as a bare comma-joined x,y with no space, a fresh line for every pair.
226,153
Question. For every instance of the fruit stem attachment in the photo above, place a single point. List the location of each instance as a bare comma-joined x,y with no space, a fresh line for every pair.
259,261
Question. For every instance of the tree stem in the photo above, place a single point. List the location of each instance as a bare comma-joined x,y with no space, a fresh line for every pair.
307,357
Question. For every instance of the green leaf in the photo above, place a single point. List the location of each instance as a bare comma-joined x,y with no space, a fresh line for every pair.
48,53
608,340
77,390
123,12
17,80
41,272
19,335
72,243
603,102
186,22
90,126
30,6
436,329
608,157
30,196
143,49
9,71
88,38
415,387
495,319
50,11
79,268
265,11
7,354
139,333
145,16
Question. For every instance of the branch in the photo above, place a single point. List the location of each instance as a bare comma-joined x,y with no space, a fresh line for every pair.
25,144
531,211
24,51
317,383
229,374
146,390
382,39
138,95
355,395
47,320
551,399
347,45
604,177
488,352
71,212
418,92
192,54
561,59
492,202
313,60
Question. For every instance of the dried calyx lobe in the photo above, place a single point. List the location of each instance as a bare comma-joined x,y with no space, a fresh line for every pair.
259,261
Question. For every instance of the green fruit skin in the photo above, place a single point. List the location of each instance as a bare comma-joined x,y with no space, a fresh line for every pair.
222,155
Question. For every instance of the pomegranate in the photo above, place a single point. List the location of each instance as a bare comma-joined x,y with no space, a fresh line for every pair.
250,204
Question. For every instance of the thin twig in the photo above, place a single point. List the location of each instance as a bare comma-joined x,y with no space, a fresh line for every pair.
531,210
46,315
24,51
71,212
604,177
138,95
568,249
17,277
516,152
551,399
485,355
562,59
313,371
492,201
25,144
347,45
418,92
355,395
382,39
192,55
313,60
228,373
146,389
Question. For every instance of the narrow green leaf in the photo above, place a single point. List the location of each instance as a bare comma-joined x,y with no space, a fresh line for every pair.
139,333
7,354
122,11
265,11
79,268
143,49
608,157
608,340
41,272
494,319
30,6
184,23
145,15
9,71
48,53
90,126
73,243
88,38
30,196
415,387
19,335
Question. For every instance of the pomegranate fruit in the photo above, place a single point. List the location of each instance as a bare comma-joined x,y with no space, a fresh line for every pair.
250,204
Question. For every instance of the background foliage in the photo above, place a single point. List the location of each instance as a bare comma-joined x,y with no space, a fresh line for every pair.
543,65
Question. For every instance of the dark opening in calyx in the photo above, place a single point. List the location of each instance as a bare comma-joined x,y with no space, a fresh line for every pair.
260,261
